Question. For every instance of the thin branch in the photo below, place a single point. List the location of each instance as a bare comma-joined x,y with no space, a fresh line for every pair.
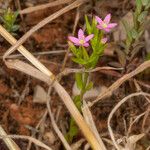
58,52
43,6
121,80
115,109
35,141
8,141
60,135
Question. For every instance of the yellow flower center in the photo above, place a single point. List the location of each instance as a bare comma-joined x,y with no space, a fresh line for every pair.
81,42
104,25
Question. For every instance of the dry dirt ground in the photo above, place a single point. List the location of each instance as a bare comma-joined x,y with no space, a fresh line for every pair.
20,115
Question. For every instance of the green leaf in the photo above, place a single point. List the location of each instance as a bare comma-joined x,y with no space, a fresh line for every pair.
142,16
127,28
77,102
100,49
94,23
89,86
93,57
73,48
15,28
79,81
85,54
73,129
79,61
145,2
93,60
16,13
95,41
88,26
139,6
134,33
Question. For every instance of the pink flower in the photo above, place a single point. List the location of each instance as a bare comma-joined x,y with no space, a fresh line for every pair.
104,40
81,40
105,24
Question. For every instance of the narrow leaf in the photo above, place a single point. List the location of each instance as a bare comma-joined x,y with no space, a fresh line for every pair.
134,33
88,26
79,61
139,6
142,16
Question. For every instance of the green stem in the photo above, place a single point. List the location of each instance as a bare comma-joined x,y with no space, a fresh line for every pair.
73,129
85,79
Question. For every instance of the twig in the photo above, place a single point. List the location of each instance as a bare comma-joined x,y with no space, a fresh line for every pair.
35,141
60,135
134,121
44,6
145,118
73,70
19,8
143,84
37,126
115,109
89,119
28,69
8,141
24,92
120,81
77,145
37,53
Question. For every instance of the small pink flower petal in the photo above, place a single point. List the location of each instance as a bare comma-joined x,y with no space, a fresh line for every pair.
99,20
73,39
111,25
107,19
89,37
99,27
106,29
104,40
77,44
86,44
81,34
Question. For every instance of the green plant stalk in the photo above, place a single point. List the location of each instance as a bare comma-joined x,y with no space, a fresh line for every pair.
73,128
83,90
82,57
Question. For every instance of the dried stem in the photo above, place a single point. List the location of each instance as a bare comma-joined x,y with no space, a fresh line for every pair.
43,6
8,141
115,109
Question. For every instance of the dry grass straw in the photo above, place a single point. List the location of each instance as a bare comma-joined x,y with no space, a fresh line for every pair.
43,6
89,119
59,133
121,80
31,139
48,76
8,141
117,146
